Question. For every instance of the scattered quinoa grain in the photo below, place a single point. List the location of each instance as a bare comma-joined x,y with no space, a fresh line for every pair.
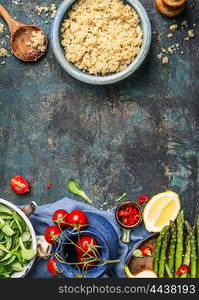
191,33
173,27
165,60
1,28
170,50
170,35
53,9
48,10
3,52
17,2
41,9
159,56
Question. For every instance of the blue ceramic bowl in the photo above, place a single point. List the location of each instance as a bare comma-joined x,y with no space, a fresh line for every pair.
71,271
85,76
106,230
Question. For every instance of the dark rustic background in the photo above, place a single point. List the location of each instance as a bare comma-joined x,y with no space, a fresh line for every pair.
138,136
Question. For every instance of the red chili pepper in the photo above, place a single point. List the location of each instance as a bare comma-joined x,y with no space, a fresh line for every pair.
132,220
134,211
183,269
49,185
20,185
128,211
121,213
146,251
125,221
143,198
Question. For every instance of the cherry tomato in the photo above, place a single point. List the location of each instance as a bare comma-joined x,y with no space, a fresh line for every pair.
51,234
52,267
77,218
147,250
20,185
86,243
59,217
83,265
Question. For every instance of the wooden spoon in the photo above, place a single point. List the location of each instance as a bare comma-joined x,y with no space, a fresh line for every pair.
20,36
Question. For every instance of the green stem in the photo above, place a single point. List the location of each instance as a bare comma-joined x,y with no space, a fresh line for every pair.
121,197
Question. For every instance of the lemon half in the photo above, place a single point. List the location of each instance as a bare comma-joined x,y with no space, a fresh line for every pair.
160,210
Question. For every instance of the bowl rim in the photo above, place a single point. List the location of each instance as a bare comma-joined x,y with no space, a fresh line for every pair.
106,79
33,236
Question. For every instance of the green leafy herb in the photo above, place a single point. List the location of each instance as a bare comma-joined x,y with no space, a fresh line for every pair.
74,188
27,254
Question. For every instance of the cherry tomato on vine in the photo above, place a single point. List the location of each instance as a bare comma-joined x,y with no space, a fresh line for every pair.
59,218
82,259
86,243
77,218
19,185
52,267
52,234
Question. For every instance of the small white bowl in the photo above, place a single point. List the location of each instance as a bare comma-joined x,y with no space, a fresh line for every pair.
95,79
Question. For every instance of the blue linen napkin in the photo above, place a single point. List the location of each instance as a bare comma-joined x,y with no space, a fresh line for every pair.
41,219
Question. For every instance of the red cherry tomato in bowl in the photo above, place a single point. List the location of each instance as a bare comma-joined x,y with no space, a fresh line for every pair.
52,267
87,244
82,261
20,185
59,218
77,218
52,234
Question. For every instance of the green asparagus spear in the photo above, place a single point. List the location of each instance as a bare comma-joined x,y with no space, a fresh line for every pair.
179,244
187,256
193,254
168,270
172,248
193,263
187,226
197,235
158,248
163,252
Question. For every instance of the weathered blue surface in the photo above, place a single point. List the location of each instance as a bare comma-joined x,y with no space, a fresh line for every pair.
139,136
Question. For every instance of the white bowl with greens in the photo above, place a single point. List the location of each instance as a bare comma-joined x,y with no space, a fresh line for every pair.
17,240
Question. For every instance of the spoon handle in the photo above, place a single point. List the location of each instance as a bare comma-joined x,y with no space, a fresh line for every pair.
12,23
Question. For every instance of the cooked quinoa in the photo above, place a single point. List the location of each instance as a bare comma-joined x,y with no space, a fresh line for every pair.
37,41
101,36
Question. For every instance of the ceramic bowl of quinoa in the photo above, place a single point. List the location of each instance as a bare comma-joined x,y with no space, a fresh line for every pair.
101,41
